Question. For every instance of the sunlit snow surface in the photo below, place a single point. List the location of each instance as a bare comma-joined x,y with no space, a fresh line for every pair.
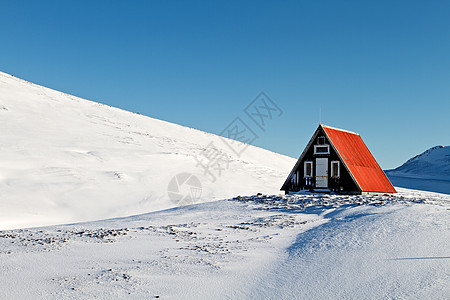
260,247
65,159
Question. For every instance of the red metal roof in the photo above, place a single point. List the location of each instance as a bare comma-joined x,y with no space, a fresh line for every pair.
359,161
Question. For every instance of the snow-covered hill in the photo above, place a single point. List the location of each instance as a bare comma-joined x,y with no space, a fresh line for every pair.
65,159
429,171
433,163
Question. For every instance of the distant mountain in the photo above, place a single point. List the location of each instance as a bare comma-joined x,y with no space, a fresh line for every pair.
434,163
429,171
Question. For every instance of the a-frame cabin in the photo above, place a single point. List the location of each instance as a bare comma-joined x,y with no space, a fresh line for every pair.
337,160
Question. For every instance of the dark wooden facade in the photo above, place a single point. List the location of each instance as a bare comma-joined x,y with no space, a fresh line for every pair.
339,182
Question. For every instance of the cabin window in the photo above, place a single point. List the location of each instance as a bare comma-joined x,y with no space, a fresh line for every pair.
321,149
308,169
321,140
335,170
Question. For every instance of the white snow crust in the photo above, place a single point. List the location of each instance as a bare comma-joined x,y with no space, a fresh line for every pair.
259,247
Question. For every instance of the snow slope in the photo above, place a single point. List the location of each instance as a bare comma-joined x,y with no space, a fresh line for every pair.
64,159
267,247
433,163
428,171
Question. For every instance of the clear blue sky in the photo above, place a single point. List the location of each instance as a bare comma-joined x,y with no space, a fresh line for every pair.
380,68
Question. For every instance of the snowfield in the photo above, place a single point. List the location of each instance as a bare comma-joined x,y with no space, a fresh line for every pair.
64,159
112,176
302,246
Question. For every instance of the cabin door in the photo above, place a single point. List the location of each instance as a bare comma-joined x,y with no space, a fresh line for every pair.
322,172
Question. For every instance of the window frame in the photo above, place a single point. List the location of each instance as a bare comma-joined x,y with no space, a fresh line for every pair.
307,162
333,163
318,146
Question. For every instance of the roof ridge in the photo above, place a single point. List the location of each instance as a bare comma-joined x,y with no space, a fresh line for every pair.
339,129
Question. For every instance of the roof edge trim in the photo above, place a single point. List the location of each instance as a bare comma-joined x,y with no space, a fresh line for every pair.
339,129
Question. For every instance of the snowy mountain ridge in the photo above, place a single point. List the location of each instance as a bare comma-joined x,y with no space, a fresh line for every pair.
433,163
64,159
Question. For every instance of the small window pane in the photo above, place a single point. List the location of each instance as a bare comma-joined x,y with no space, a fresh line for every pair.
308,169
335,169
322,149
319,149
